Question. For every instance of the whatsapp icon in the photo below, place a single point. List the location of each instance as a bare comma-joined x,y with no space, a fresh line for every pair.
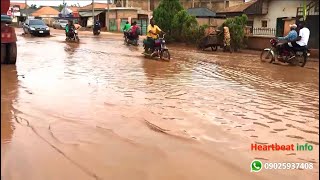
256,166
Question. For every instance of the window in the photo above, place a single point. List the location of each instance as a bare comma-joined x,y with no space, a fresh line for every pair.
316,8
37,22
227,4
264,23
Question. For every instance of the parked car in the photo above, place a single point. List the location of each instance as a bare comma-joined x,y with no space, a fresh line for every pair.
36,27
60,24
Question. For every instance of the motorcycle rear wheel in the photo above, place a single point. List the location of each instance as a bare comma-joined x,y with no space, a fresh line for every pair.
300,60
165,55
267,56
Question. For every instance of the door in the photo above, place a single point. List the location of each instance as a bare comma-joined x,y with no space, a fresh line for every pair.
280,27
144,26
250,24
112,25
287,27
122,24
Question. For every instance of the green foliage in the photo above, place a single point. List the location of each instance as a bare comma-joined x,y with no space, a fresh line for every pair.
33,6
184,25
165,12
237,30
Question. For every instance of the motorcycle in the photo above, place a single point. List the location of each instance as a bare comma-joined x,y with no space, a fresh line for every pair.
160,49
74,37
129,40
96,29
293,56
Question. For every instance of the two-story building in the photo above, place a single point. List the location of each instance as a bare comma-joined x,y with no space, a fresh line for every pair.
273,17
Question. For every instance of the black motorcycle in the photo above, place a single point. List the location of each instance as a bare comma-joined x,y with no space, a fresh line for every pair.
96,28
294,56
160,49
130,40
73,35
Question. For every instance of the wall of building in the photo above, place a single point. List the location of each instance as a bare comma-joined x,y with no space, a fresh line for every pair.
283,8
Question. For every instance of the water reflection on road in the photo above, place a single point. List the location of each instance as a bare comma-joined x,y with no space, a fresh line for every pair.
98,109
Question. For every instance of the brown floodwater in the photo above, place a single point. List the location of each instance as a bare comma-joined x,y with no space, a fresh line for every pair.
100,110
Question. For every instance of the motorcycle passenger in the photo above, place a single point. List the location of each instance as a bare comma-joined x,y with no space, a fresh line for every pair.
292,35
303,38
126,28
134,31
69,29
152,32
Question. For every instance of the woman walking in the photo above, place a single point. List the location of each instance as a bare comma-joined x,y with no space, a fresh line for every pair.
226,39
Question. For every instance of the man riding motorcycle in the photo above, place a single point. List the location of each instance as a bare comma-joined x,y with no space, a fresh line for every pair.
292,35
69,27
152,34
97,26
126,28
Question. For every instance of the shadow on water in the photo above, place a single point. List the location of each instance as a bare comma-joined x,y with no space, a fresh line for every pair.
71,48
9,92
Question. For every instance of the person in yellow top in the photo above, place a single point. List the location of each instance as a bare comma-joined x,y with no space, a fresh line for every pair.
152,32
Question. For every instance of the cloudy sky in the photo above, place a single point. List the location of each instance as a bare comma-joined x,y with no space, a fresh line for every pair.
58,2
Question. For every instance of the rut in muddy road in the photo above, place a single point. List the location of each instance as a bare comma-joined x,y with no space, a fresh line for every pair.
100,110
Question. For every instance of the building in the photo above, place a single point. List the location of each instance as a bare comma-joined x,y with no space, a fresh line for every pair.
270,18
85,14
47,14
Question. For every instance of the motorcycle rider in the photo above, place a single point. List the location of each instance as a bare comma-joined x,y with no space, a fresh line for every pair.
69,26
292,35
152,32
126,28
97,25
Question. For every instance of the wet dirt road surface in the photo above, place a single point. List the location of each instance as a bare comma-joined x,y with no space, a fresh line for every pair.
100,110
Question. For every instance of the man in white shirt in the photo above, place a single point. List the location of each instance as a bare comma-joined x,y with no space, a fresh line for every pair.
303,38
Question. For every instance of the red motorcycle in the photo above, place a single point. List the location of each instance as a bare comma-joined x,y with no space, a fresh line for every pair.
294,56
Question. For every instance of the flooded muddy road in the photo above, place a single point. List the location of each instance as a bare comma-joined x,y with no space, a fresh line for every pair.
100,110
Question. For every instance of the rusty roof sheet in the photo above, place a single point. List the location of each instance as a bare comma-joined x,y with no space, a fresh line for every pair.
46,11
96,6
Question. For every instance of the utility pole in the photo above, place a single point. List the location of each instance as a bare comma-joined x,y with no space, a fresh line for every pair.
26,9
92,13
108,23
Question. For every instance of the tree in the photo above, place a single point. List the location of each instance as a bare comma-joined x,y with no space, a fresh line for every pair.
165,12
33,6
183,26
61,6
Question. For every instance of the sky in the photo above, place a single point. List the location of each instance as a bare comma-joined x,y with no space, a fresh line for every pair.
58,2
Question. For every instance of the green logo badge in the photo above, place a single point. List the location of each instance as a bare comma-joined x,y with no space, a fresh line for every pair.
256,166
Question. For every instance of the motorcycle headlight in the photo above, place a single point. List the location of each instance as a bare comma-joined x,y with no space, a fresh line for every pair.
47,28
32,28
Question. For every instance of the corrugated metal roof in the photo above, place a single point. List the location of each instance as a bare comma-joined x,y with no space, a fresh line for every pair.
89,13
201,12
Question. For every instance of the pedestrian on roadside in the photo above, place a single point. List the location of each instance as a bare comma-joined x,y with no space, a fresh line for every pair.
226,39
